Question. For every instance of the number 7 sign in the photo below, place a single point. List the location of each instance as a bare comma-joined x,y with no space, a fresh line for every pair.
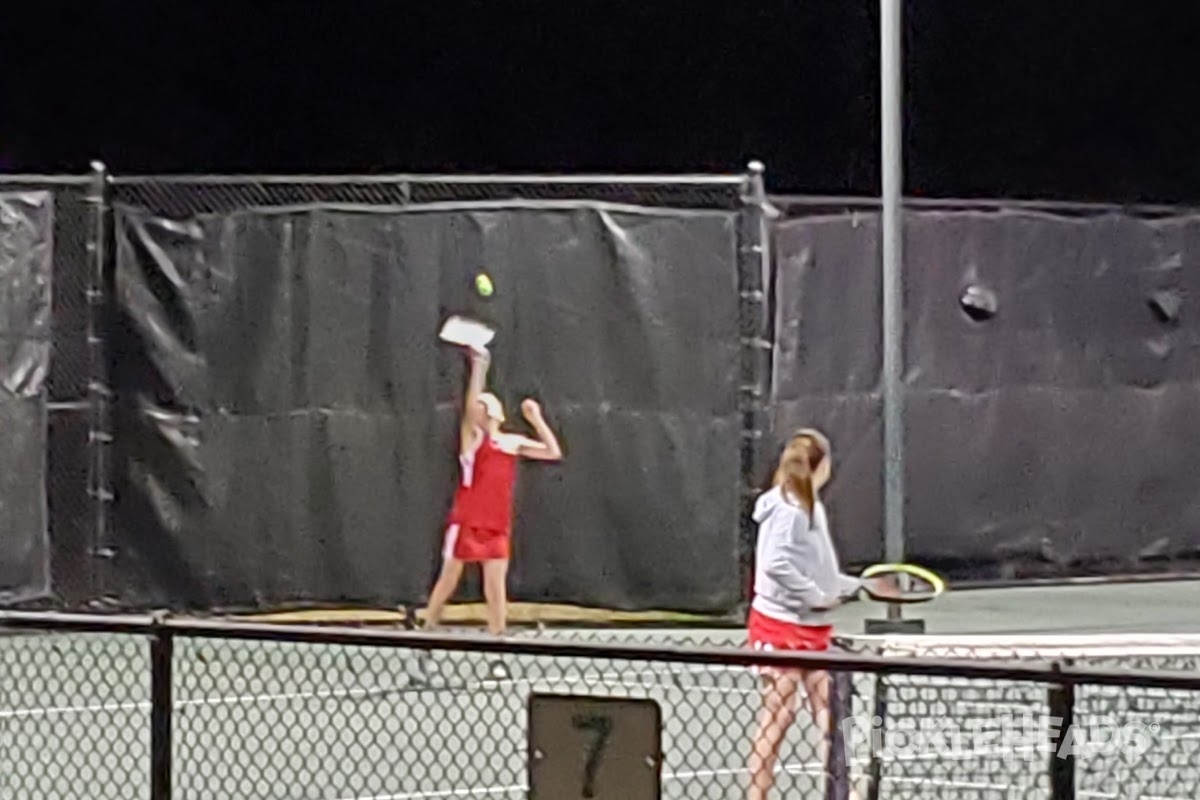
594,748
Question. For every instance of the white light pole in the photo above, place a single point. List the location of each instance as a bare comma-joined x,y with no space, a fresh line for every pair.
891,89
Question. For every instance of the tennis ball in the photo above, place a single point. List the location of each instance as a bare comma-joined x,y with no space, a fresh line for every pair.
483,284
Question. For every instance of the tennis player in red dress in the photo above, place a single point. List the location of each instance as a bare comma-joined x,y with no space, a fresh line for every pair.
479,529
797,583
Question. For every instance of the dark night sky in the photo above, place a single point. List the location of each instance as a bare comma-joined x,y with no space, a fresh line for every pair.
1090,99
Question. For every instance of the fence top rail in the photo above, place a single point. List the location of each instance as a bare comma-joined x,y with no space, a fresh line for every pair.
1053,673
477,205
787,202
45,180
732,179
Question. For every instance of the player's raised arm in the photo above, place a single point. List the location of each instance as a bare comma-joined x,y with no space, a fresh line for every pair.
476,383
546,446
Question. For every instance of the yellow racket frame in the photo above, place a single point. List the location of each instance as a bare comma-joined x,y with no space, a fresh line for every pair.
932,578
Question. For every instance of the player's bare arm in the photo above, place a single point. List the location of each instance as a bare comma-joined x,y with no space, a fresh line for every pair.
545,447
476,383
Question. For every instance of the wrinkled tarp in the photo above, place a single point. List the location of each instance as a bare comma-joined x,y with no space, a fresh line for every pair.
1059,433
26,254
286,430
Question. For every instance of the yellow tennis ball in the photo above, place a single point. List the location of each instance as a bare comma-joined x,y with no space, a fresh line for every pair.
483,284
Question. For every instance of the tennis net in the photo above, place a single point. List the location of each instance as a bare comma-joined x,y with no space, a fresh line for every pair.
938,737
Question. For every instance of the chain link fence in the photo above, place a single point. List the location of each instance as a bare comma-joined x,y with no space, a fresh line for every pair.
183,196
191,710
1145,740
75,719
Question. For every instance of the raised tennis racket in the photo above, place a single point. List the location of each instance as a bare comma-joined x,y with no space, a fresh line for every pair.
902,583
466,333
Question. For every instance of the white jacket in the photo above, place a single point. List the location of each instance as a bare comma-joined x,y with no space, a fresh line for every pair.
796,575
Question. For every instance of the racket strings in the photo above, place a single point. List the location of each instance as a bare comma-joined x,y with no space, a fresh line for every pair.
908,582
915,585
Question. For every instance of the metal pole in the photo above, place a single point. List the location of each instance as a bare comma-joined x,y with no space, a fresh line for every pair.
891,92
755,338
1062,733
755,281
758,194
99,391
162,706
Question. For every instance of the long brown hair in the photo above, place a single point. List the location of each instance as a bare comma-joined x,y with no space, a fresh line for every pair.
801,457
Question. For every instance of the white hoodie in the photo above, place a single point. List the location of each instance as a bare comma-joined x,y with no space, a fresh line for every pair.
796,576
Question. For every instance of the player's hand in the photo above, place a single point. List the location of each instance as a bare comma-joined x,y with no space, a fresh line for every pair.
531,409
479,355
884,587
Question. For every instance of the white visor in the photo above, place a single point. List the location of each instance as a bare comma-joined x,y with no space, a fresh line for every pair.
492,405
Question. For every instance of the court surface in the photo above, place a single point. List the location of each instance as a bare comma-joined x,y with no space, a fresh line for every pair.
322,723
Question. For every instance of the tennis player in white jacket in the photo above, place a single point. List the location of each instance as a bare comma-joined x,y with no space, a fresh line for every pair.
797,582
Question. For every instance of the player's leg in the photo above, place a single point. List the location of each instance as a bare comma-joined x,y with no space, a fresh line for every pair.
775,718
421,670
443,590
816,687
495,593
447,582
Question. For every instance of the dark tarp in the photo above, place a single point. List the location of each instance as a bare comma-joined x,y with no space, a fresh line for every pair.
26,253
1059,434
827,362
286,430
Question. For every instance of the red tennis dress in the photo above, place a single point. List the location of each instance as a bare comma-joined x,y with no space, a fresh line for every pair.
768,633
480,523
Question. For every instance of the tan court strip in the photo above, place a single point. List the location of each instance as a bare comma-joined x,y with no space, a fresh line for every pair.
473,614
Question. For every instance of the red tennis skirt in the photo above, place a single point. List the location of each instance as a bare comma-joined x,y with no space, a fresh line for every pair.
469,544
768,633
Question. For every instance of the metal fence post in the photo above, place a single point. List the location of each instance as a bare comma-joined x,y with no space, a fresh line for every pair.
754,267
1062,730
879,711
98,387
839,780
162,646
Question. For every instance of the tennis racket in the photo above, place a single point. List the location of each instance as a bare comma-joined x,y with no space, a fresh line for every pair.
467,333
902,583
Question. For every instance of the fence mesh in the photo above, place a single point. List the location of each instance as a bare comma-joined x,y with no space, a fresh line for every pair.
1128,742
370,723
75,717
285,719
288,720
184,197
